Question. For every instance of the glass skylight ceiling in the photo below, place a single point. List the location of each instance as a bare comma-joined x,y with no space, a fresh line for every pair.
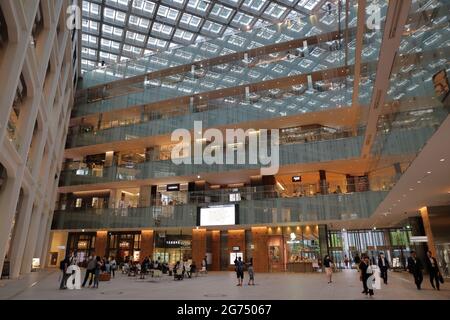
118,30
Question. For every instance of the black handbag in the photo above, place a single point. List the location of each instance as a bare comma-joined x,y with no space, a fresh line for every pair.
441,278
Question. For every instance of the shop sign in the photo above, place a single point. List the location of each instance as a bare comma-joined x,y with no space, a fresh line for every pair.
124,244
293,239
296,179
236,248
82,245
173,187
181,243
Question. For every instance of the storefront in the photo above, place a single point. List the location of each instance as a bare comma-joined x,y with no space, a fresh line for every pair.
293,249
171,248
82,244
124,245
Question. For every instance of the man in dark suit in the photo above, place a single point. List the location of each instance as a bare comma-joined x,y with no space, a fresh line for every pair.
433,269
415,267
365,274
383,264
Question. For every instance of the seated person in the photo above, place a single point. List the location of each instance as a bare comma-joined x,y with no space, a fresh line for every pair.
178,271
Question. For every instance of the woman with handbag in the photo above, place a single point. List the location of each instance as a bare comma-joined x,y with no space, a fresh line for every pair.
433,269
328,265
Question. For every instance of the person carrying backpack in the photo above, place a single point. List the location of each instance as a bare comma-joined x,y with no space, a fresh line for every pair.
239,267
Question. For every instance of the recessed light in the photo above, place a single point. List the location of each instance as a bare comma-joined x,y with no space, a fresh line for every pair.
418,181
428,172
442,160
198,177
398,200
411,189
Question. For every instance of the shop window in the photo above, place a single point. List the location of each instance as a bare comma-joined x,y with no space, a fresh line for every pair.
3,30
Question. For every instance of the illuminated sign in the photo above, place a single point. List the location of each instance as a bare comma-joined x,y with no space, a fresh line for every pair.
124,244
173,187
82,245
296,178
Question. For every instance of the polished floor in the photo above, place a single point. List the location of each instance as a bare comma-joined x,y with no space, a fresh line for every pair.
222,285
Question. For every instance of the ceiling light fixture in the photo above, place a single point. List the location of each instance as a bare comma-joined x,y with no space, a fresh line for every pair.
442,160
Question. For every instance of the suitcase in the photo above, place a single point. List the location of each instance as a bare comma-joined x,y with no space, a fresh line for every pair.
105,277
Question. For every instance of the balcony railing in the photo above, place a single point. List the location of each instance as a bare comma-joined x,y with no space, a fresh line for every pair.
251,212
328,150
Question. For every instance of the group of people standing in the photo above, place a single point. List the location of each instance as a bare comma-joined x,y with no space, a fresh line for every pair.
95,266
239,267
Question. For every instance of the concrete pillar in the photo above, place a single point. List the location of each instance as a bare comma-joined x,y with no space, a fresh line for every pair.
8,203
323,240
198,246
46,245
147,244
41,235
20,238
260,252
428,231
100,243
323,182
215,250
33,233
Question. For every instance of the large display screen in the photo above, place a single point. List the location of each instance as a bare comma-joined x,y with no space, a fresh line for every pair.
218,215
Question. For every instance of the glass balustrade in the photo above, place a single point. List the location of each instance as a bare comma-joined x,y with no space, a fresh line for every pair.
328,150
267,211
220,112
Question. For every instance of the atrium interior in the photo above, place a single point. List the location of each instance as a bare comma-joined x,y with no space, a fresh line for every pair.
193,133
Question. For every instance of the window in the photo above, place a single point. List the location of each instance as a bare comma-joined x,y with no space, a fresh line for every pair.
168,13
254,5
198,5
222,12
190,20
144,5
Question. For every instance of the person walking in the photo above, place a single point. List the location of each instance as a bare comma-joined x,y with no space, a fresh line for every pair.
433,269
90,271
251,273
328,265
98,266
383,264
366,272
205,264
415,267
239,268
113,266
63,265
346,261
357,260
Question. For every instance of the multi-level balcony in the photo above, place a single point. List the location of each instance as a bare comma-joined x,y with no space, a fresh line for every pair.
251,212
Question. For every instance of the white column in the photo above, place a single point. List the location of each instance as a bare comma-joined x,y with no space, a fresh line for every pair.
20,238
8,203
31,240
